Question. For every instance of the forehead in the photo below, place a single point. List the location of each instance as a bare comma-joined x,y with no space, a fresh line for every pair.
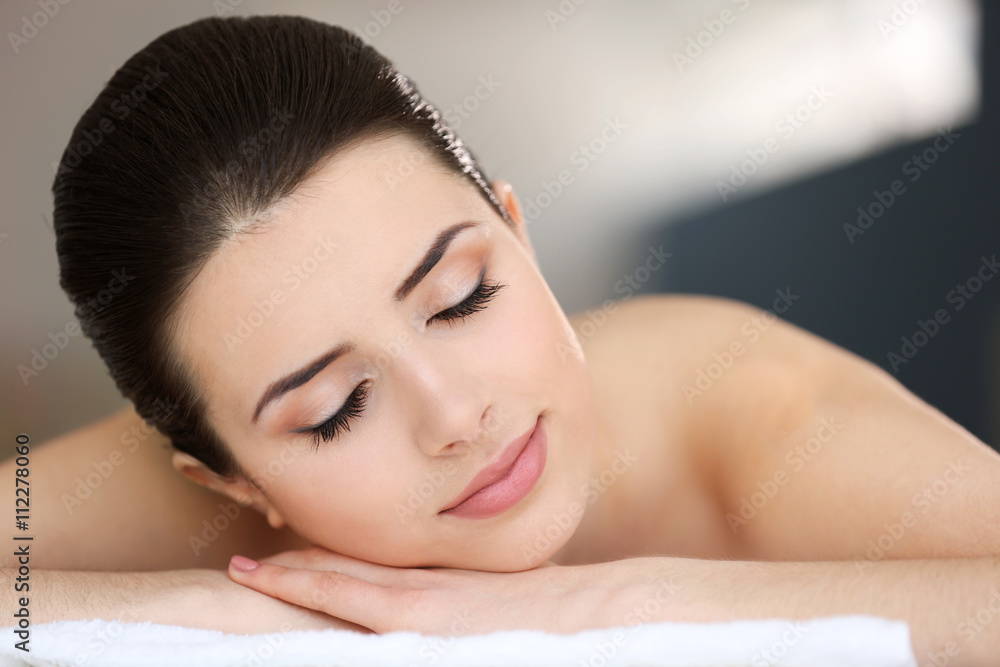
317,267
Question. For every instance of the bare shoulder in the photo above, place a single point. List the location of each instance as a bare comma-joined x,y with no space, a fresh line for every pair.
692,315
657,363
711,362
690,381
693,331
746,403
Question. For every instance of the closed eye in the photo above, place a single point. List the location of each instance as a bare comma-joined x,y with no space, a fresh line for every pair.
335,425
474,303
355,404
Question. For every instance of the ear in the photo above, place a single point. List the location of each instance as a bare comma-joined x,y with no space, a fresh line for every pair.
505,193
237,487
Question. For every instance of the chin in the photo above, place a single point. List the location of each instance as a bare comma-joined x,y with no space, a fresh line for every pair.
534,542
507,560
528,553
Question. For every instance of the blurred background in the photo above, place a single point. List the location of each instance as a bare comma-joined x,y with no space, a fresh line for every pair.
842,151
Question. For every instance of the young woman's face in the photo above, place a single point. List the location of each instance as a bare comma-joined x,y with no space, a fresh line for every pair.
321,310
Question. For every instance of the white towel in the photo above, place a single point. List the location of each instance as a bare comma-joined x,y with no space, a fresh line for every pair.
836,641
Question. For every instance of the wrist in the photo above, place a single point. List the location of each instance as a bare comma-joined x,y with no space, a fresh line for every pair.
662,589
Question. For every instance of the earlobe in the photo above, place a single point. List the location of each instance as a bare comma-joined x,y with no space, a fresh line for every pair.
274,519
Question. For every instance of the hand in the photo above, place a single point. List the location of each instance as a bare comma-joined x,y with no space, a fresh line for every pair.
447,601
236,609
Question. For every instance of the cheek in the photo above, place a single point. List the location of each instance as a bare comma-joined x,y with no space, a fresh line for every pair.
328,497
535,344
540,360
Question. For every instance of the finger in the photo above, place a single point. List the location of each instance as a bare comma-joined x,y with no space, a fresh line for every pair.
334,593
318,558
312,558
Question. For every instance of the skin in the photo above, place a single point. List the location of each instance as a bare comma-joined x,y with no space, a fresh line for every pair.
443,403
837,451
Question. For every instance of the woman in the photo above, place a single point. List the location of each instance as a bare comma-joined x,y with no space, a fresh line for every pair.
337,322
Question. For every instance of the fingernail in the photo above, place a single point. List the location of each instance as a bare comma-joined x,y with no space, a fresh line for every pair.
243,564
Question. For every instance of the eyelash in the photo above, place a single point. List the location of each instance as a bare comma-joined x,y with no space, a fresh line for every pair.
475,302
355,404
341,421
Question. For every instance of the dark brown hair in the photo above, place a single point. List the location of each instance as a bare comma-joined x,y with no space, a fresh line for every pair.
210,124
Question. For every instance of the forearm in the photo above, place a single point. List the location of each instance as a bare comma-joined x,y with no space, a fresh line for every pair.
949,604
176,597
189,598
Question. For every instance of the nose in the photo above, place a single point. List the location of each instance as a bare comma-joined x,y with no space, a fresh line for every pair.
450,404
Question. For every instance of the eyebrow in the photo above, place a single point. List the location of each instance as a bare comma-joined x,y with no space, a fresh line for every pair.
431,258
298,378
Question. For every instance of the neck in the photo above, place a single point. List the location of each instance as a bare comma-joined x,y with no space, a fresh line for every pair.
591,538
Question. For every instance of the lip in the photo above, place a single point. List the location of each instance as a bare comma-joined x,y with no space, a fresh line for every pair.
505,480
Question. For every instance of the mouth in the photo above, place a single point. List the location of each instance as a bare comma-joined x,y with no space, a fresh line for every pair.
506,480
